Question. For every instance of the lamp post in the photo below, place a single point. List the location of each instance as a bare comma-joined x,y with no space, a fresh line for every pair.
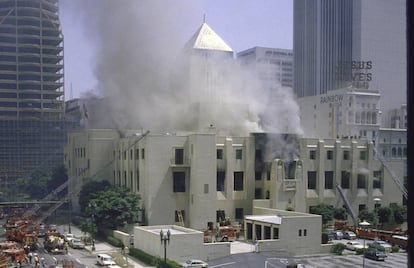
376,200
126,252
165,238
364,224
92,207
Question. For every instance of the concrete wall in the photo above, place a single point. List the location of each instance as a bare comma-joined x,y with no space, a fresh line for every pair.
299,233
184,244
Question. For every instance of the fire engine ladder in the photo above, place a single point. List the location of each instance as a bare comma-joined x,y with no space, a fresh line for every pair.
348,206
65,185
393,176
180,217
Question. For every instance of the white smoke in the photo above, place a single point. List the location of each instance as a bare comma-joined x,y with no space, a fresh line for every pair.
145,82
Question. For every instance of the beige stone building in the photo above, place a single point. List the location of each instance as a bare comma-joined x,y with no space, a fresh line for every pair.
203,176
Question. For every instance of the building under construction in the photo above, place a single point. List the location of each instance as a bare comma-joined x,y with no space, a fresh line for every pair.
32,123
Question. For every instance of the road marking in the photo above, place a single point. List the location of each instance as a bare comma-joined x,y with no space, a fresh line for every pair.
223,264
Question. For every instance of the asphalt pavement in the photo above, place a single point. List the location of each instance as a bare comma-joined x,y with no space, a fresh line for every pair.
103,247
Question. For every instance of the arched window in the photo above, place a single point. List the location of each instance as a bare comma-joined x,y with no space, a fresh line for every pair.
394,152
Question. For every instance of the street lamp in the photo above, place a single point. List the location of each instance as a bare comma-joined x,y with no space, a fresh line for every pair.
92,207
165,238
364,224
376,200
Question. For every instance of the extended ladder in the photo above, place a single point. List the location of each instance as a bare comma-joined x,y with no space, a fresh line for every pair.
180,217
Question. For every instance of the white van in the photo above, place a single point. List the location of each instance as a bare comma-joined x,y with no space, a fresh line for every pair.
105,260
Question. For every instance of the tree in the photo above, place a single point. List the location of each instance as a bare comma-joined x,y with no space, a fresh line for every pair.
384,214
89,191
59,176
340,214
326,211
37,184
400,213
113,208
365,215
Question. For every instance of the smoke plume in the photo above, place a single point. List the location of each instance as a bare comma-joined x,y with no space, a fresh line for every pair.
146,80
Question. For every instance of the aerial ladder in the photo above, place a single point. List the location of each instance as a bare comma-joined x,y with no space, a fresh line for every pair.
348,206
393,176
63,186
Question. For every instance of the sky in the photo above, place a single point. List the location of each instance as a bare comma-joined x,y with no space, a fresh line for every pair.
242,24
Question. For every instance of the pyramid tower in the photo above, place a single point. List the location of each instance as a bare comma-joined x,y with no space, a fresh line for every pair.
206,39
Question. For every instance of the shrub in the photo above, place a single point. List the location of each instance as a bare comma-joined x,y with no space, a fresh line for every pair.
114,241
338,248
395,248
152,260
360,251
325,238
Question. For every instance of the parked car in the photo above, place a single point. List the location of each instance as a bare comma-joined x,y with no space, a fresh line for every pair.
338,235
375,255
76,243
195,263
381,244
349,235
354,245
68,237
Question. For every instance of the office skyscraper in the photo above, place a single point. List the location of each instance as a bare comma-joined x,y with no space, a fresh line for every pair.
350,42
32,124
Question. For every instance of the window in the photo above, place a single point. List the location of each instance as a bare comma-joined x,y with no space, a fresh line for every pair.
275,233
305,232
178,181
312,180
268,175
239,153
143,153
206,188
329,154
363,155
346,155
258,193
345,179
221,175
361,182
329,179
131,154
219,153
179,156
238,181
136,153
267,194
312,154
258,175
361,207
239,213
258,155
220,215
300,232
376,183
267,232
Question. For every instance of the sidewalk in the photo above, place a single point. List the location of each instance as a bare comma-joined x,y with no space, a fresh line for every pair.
103,247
